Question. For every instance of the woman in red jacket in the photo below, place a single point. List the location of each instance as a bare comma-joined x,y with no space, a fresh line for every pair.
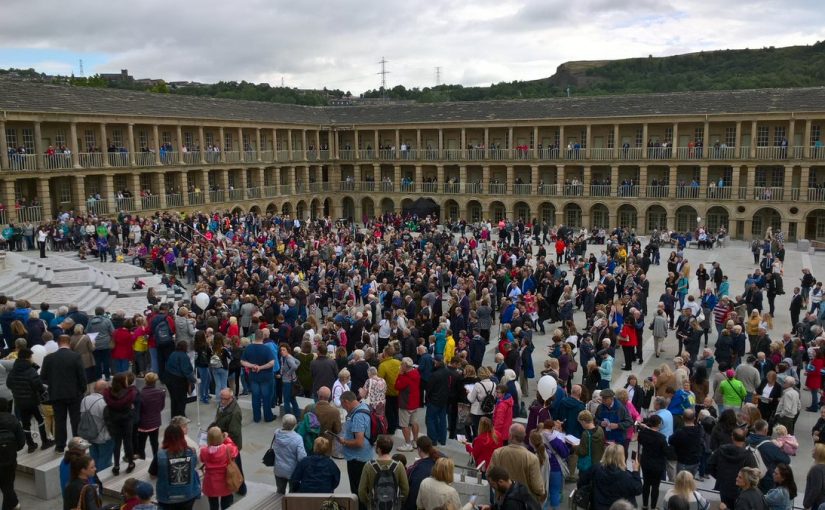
216,456
123,351
628,341
484,444
813,379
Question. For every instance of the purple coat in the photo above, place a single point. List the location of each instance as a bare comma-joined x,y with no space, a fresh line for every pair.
152,401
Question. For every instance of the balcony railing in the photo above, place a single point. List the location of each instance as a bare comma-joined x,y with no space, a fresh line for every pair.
573,190
627,190
452,187
717,193
216,196
429,187
550,153
522,189
125,204
346,186
407,187
817,152
476,154
250,156
196,198
771,153
281,155
722,152
522,153
453,154
768,193
270,191
236,194
498,188
499,154
253,192
602,154
90,159
143,159
428,154
97,207
232,156
192,158
33,214
548,190
473,188
57,161
630,153
687,192
600,190
298,155
213,157
657,191
346,154
118,159
575,154
150,202
267,156
366,154
4,217
659,152
174,200
816,195
169,158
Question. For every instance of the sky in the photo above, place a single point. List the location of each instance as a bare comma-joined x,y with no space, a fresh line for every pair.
338,44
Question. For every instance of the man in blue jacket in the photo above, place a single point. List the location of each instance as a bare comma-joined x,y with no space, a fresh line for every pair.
771,453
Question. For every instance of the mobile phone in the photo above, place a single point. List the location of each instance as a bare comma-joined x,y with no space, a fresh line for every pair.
633,455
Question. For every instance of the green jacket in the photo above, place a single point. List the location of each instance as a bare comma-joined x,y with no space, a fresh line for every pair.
229,420
733,392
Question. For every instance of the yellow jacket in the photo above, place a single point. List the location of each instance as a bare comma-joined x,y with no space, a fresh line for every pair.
449,349
388,370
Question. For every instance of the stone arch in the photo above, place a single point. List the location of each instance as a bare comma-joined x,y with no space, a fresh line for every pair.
815,225
237,210
271,208
327,208
286,209
301,210
627,216
348,208
314,209
686,219
406,204
572,215
387,205
497,211
255,209
368,207
521,211
475,212
600,216
716,217
656,218
764,218
547,213
450,210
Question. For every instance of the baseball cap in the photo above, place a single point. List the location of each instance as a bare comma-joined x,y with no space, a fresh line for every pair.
144,490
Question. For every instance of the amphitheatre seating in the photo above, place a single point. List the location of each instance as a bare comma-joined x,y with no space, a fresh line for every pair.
44,467
313,501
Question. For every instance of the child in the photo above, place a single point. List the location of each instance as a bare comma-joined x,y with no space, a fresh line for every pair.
129,494
786,442
144,492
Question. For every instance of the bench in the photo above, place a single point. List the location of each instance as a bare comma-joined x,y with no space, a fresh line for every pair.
313,501
44,467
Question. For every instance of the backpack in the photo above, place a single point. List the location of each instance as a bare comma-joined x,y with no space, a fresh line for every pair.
162,331
385,487
488,403
760,462
309,429
87,427
378,425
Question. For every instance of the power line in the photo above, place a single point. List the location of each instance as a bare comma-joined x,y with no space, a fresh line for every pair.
383,74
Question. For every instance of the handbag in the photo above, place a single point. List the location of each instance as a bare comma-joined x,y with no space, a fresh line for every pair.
565,469
586,462
583,496
234,478
269,456
297,389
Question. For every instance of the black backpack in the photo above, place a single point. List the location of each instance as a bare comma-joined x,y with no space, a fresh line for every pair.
385,487
162,331
488,403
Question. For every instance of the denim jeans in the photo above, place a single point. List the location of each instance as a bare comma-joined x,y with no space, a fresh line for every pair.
554,490
153,359
290,402
815,399
220,376
261,398
437,423
102,361
203,392
102,453
121,365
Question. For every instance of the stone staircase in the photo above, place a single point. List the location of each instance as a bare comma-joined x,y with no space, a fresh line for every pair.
63,279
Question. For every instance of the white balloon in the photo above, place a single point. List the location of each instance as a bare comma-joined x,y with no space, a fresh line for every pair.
202,300
38,353
547,387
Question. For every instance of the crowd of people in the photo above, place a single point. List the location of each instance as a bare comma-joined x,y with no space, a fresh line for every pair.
403,323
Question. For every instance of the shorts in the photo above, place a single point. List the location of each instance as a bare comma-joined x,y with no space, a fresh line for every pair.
406,417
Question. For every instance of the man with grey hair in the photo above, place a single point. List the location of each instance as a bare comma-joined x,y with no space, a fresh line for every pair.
289,450
789,405
358,368
104,328
521,464
101,446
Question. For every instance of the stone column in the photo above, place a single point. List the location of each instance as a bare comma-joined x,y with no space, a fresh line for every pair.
486,141
562,143
560,180
419,178
305,177
108,192
156,135
587,178
485,178
753,140
104,146
738,138
291,183
536,142
180,144
138,203
462,178
703,180
674,142
751,176
588,137
644,144
356,176
43,192
614,180
791,143
222,144
289,144
397,144
671,181
534,178
258,143
617,141
204,186
38,141
241,148
440,145
642,181
278,179
376,141
806,140
4,147
706,144
511,180
788,183
161,176
261,177
747,229
202,145
274,145
735,184
79,193
440,178
130,140
243,183
73,145
303,144
418,143
804,178
396,179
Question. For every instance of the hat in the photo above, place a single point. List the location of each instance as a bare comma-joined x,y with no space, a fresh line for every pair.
439,358
144,490
730,372
607,393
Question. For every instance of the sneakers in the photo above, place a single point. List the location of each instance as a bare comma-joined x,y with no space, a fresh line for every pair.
405,448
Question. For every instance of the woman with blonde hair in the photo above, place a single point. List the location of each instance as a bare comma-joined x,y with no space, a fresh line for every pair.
216,456
436,490
684,486
484,444
815,481
750,497
341,385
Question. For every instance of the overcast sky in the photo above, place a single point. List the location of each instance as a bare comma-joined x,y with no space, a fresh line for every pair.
337,44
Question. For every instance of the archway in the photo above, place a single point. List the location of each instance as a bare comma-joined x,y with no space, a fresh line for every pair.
686,219
521,211
271,208
387,206
573,215
406,204
717,217
656,218
815,225
301,210
474,211
764,218
255,209
286,209
627,216
348,208
600,216
327,208
547,213
368,208
237,210
498,211
314,208
451,210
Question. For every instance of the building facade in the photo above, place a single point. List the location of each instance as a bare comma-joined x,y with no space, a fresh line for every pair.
745,160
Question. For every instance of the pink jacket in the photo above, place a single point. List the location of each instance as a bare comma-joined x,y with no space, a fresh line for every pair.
635,416
215,459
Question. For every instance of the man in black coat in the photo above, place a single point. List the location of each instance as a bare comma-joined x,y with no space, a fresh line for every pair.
795,308
510,495
63,373
724,464
26,387
12,439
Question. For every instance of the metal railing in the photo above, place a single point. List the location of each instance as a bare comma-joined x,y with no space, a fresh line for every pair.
816,194
298,155
250,156
118,159
817,152
232,156
548,190
90,159
453,154
452,188
602,154
213,157
550,153
771,153
473,187
270,191
97,207
169,158
282,155
4,217
144,159
722,153
174,200
33,214
253,192
366,154
575,154
267,156
150,202
236,194
192,158
659,152
627,190
407,187
346,154
657,191
717,193
498,188
500,154
346,186
631,153
476,154
768,193
687,192
126,204
429,187
56,161
522,189
216,195
196,198
428,154
573,190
